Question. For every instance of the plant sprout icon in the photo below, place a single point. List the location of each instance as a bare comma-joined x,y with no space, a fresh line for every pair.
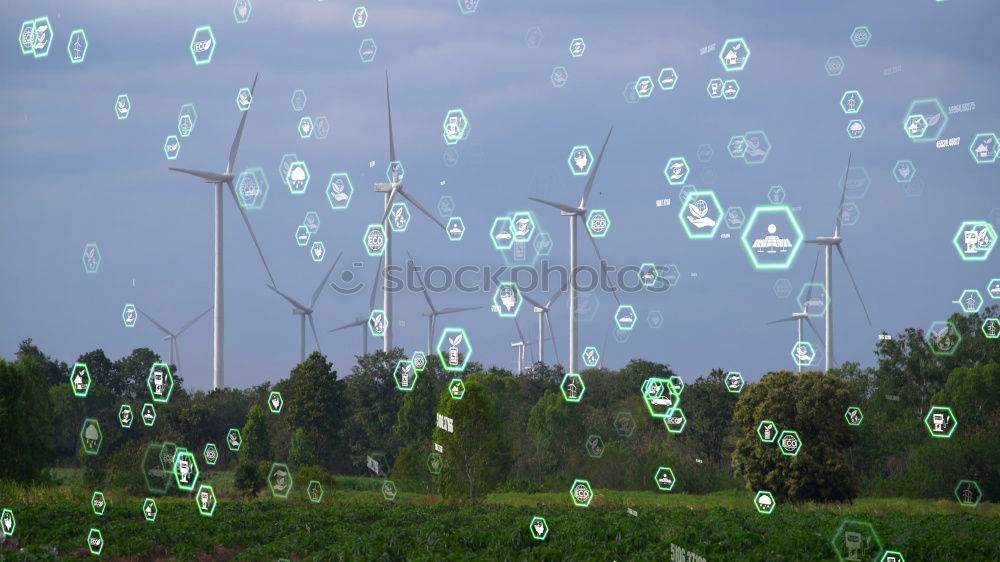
697,212
338,189
41,40
122,107
456,389
404,380
378,323
453,360
234,439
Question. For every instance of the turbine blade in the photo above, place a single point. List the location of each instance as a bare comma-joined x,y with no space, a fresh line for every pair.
853,282
315,336
388,206
155,323
614,290
593,171
843,193
423,286
246,221
239,132
552,332
788,319
422,209
815,331
349,325
388,105
322,283
196,318
293,302
811,281
212,177
556,296
559,206
528,298
455,309
520,334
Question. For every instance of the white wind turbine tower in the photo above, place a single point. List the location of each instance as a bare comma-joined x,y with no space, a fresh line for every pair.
227,179
362,321
519,346
305,312
573,213
544,318
829,243
434,312
391,190
801,315
172,336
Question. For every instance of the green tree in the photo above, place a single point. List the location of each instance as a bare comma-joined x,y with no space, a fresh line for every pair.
973,393
415,418
55,372
256,444
303,450
102,370
709,407
813,405
25,420
555,428
131,372
372,405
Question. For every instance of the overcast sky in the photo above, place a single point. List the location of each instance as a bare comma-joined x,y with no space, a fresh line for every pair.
74,174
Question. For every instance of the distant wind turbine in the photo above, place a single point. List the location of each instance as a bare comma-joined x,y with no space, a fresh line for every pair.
434,312
543,318
801,315
362,321
172,336
305,312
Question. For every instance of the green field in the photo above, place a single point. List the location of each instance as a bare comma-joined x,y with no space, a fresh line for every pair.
357,524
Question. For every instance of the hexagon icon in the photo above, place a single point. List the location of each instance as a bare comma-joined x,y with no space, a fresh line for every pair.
160,382
772,237
591,356
455,229
598,223
242,10
734,54
892,555
502,233
456,389
855,128
455,126
664,478
123,105
202,45
454,349
624,424
572,387
971,301
405,375
302,235
299,99
758,146
803,353
677,384
186,470
311,221
577,47
399,216
625,317
943,338
389,490
984,148
234,439
730,89
244,98
776,194
856,541
91,436
655,318
767,430
991,328
41,37
714,88
79,380
968,493
172,147
851,101
975,240
435,462
8,523
126,416
861,36
735,217
700,215
764,502
185,125
659,396
148,414
834,66
339,191
315,491
677,170
594,446
98,503
524,226
790,443
559,76
854,416
95,542
543,244
581,493
377,323
705,153
210,454
675,420
667,79
419,359
903,171
275,402
205,500
446,206
26,38
77,46
252,188
360,17
782,288
468,6
539,528
580,160
279,480
305,127
321,128
644,86
934,116
507,299
395,172
737,146
374,240
812,299
129,315
735,382
318,251
993,288
915,126
648,274
149,510
940,421
367,50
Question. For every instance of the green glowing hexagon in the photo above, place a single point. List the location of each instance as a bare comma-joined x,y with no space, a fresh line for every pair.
315,491
772,250
943,338
581,493
968,493
297,177
539,528
502,233
395,171
854,416
275,402
41,39
172,147
941,422
160,382
26,38
77,46
374,240
234,439
367,50
305,127
892,555
764,502
148,414
676,171
157,479
667,78
129,315
904,171
577,47
644,86
205,500
714,88
594,445
318,251
664,478
149,509
95,541
984,148
211,454
803,353
122,106
279,480
971,301
455,127
861,36
855,128
524,226
455,229
242,10
79,380
991,328
98,503
91,436
339,191
202,45
591,357
737,145
789,443
572,387
450,349
915,126
9,522
625,317
125,416
767,430
389,490
735,382
456,389
378,321
186,470
360,17
734,54
675,420
648,274
854,539
730,89
419,359
580,160
851,101
435,462
660,397
399,216
244,98
975,240
598,223
405,375
507,299
700,215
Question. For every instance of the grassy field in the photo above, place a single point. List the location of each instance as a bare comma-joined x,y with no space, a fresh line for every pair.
354,523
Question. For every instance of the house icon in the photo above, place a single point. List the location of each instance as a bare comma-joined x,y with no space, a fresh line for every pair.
982,152
731,57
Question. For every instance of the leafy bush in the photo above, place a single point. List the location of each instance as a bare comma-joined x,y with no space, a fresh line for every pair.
247,479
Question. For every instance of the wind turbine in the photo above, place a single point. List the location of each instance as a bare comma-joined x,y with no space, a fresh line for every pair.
543,318
172,336
433,313
573,213
227,179
395,187
307,311
801,315
520,346
829,243
363,320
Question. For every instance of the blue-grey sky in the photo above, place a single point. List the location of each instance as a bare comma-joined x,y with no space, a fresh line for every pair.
74,174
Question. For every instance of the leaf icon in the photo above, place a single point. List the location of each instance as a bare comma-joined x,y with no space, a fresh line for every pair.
694,210
933,119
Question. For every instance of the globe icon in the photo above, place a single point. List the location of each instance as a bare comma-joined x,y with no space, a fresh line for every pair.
702,207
